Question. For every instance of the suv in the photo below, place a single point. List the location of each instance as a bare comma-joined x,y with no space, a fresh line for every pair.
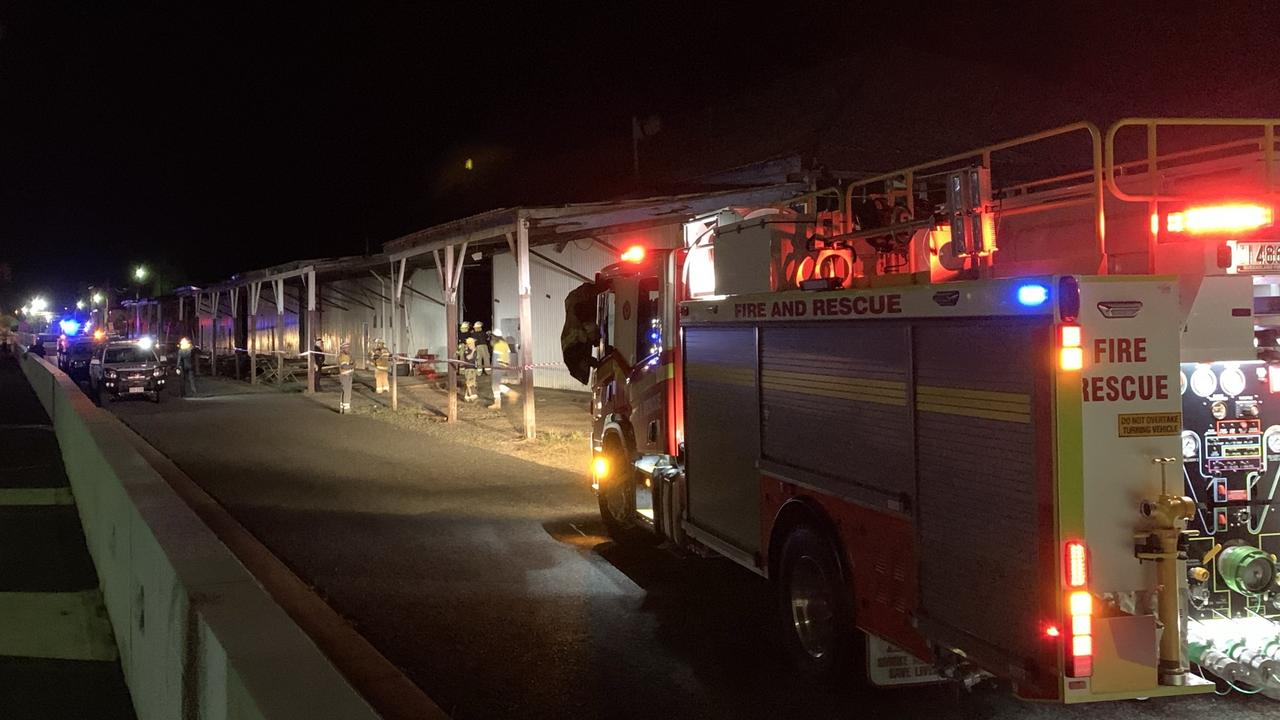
126,369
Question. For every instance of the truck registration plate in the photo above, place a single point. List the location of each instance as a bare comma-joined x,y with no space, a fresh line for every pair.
137,390
1255,256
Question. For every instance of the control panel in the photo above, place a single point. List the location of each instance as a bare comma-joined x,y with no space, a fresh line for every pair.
1231,465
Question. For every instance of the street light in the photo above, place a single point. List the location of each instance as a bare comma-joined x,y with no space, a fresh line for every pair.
97,298
38,304
140,273
79,304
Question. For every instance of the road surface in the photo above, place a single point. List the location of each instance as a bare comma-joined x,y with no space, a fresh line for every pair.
489,581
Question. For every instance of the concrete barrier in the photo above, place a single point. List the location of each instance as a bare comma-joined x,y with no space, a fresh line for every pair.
198,636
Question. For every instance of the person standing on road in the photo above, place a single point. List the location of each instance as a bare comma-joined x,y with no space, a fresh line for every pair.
186,368
469,369
381,362
501,358
482,347
317,357
345,371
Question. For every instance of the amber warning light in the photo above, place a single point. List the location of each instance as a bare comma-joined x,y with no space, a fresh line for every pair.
1070,352
1217,219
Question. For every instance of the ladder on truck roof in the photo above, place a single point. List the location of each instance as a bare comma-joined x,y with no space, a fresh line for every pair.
1046,172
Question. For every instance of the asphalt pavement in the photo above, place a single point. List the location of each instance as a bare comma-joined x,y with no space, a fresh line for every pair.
58,659
488,579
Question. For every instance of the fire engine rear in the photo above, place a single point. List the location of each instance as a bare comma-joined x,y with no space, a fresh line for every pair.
972,420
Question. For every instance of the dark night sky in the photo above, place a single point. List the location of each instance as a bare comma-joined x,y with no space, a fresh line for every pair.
209,139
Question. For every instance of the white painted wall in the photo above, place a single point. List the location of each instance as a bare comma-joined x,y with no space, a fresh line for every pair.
424,326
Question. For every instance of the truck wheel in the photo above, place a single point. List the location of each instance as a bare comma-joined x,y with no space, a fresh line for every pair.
616,489
815,609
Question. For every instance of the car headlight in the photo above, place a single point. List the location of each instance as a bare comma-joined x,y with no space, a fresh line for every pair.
157,372
109,373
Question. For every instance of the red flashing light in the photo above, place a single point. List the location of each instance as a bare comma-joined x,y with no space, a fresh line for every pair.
1076,564
633,254
1212,219
1052,631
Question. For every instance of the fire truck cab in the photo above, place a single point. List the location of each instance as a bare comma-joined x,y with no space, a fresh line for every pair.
973,418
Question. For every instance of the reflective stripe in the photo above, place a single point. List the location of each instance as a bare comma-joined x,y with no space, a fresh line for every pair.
987,404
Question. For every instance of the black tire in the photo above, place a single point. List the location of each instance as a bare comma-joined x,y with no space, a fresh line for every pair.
816,611
616,495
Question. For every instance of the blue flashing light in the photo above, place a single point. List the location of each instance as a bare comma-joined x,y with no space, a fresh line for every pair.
69,326
1032,295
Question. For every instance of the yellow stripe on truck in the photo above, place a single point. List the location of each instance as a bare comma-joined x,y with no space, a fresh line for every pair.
986,404
882,392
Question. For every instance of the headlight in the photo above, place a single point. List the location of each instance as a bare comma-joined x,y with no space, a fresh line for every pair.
109,373
157,372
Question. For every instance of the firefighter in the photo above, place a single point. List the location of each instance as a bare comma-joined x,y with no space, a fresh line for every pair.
469,371
317,357
464,332
345,371
482,347
381,358
501,358
186,368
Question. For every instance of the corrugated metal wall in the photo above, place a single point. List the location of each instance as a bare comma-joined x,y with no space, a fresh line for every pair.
423,320
269,319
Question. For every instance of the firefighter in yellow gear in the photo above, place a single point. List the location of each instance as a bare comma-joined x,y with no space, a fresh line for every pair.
482,347
501,359
469,370
345,370
381,363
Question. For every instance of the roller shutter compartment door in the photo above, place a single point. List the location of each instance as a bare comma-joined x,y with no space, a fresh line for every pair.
982,495
722,433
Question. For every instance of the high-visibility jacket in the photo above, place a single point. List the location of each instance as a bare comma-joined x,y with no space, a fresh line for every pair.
501,353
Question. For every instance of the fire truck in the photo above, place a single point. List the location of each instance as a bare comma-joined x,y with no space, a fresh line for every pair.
1010,413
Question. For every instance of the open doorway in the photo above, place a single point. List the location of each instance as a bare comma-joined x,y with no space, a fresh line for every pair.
477,292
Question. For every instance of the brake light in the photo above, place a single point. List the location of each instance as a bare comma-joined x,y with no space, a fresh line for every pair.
1079,658
1076,565
1070,352
1210,219
633,254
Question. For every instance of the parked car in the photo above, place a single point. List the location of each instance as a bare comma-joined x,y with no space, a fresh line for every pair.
126,369
74,357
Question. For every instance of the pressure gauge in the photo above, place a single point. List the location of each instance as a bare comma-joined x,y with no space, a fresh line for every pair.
1232,381
1273,443
1218,409
1182,383
1189,447
1203,382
